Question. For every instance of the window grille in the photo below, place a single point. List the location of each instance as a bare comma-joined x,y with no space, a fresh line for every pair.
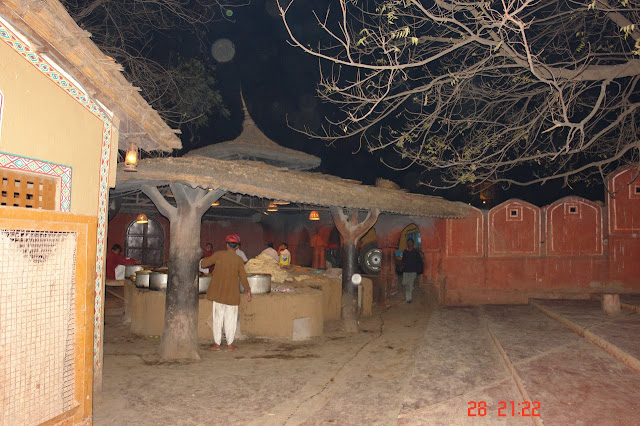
24,190
37,325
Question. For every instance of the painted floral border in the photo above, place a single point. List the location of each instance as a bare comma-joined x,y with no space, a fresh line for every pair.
23,48
58,171
1,106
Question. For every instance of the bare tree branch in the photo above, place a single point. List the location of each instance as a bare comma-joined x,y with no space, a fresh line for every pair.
181,89
160,202
204,202
521,92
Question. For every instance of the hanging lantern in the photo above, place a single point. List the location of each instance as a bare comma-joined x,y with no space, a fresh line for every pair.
131,158
142,218
215,203
272,207
281,203
314,215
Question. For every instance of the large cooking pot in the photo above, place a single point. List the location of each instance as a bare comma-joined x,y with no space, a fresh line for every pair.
131,270
158,281
203,284
142,278
259,283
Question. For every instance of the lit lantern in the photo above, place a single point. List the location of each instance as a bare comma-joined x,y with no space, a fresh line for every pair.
131,158
314,215
272,207
281,203
215,203
142,218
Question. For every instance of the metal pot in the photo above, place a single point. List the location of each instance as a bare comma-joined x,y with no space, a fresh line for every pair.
158,281
203,284
142,278
131,270
259,283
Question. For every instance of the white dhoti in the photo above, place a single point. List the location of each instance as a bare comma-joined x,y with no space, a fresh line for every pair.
227,316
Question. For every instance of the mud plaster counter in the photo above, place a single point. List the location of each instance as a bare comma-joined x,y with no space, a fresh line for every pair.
295,316
332,294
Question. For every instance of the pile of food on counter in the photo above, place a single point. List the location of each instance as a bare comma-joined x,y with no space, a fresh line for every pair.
264,264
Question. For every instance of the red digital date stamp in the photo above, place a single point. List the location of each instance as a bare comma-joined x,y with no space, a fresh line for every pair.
506,408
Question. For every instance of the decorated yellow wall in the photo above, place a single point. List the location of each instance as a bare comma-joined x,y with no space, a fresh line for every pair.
43,122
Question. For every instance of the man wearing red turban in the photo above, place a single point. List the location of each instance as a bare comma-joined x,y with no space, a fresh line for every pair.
224,291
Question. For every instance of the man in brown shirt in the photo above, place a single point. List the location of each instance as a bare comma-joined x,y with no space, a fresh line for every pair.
224,291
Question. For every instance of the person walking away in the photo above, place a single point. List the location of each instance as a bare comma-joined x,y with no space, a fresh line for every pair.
285,256
271,252
412,266
224,291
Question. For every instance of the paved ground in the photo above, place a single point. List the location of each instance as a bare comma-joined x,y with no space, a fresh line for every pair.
408,365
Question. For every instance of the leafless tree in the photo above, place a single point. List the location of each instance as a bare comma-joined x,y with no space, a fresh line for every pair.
182,90
518,91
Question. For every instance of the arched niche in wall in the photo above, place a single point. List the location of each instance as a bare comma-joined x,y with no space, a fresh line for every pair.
369,239
389,229
573,227
333,253
411,231
303,250
335,240
624,209
465,236
145,242
514,229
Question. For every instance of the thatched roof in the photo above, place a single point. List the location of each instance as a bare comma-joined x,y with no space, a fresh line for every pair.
261,180
49,25
252,144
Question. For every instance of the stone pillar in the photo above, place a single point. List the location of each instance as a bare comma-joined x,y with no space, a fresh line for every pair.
611,304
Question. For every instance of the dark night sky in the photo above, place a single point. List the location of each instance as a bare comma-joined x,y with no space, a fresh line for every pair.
278,83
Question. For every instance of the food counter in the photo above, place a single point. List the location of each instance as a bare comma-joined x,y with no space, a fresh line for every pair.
300,301
294,316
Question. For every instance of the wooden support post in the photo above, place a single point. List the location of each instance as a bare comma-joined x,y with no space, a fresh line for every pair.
351,231
611,304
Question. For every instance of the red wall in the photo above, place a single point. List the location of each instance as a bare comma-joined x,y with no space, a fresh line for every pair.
517,251
624,225
254,236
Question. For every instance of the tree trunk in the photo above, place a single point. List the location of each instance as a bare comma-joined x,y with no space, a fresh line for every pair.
180,334
351,231
349,296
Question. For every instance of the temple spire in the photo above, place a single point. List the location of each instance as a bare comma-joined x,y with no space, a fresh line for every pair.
248,121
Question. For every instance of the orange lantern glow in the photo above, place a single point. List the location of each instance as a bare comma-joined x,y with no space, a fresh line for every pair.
131,158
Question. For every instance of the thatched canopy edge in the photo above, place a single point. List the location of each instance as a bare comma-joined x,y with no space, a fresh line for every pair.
50,26
261,180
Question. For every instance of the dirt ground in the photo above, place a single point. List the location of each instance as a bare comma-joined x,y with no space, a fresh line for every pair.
338,378
410,364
